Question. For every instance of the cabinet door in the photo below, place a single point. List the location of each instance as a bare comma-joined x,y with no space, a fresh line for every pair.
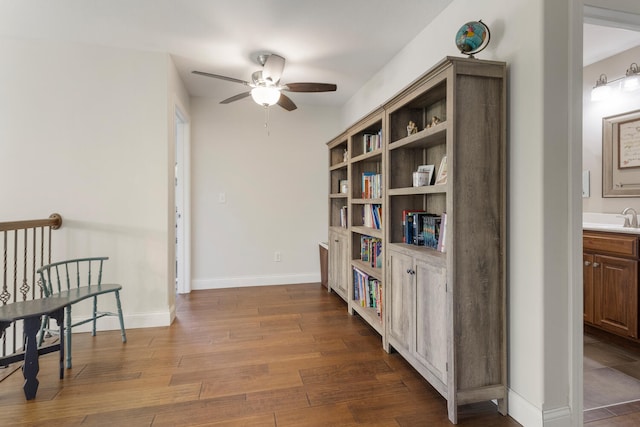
587,280
338,264
616,295
401,300
431,309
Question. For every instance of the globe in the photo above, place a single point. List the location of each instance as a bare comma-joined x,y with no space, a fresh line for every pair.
472,37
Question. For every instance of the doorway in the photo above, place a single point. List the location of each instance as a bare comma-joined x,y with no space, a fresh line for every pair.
610,378
182,203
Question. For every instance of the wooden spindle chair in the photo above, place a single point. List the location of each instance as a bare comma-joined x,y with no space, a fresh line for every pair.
72,278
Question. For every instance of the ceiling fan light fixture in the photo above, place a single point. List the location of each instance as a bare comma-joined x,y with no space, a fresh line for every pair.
265,95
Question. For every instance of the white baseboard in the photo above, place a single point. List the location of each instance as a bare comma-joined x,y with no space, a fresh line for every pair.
559,417
529,415
131,321
245,281
523,411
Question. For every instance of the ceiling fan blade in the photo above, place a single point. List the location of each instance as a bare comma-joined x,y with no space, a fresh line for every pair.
310,87
286,102
235,97
273,67
216,76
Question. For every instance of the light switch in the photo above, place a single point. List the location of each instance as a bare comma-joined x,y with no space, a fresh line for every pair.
586,191
222,197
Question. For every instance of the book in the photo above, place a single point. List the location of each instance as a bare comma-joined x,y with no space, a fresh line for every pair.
371,185
407,225
343,217
442,238
371,141
372,215
431,230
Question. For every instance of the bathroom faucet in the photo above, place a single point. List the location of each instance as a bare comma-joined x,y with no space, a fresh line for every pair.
634,217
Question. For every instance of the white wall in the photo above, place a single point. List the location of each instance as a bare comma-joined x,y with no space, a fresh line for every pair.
276,188
613,67
83,132
537,39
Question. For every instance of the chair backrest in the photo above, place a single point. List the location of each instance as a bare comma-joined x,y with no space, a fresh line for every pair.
72,273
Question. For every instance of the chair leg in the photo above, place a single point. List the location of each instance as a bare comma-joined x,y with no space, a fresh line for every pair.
122,331
67,332
43,329
95,313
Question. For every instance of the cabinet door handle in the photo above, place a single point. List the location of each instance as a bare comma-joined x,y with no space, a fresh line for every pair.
410,271
596,264
587,263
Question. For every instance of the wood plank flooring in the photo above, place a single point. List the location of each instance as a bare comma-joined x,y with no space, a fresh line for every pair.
265,356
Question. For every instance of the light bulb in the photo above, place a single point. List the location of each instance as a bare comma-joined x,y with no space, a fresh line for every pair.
265,96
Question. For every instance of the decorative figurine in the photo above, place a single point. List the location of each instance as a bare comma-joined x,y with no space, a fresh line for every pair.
411,128
434,121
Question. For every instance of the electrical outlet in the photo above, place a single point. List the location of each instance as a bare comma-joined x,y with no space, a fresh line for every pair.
277,256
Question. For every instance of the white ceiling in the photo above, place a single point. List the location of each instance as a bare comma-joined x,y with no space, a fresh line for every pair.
330,41
601,42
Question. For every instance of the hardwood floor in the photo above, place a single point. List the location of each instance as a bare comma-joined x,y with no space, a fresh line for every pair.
268,356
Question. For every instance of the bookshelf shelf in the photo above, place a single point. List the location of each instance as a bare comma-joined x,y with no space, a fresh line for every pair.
371,271
367,231
426,189
443,309
370,315
338,166
423,139
368,156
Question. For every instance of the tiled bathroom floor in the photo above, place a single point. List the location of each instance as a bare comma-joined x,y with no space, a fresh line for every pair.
611,379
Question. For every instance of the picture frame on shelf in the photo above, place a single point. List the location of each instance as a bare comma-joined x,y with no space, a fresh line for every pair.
424,175
441,177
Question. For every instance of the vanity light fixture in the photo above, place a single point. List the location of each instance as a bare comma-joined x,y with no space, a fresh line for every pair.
601,91
632,79
629,83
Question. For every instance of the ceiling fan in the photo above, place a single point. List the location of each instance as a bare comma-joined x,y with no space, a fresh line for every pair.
266,87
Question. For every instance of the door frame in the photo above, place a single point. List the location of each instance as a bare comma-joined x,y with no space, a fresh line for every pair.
182,199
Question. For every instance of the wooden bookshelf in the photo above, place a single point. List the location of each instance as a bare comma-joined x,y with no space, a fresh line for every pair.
366,146
446,311
443,311
338,264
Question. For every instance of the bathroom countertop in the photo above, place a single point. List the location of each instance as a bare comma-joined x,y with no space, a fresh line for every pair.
612,223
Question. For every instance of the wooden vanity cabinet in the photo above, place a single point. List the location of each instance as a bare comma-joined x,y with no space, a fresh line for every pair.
610,269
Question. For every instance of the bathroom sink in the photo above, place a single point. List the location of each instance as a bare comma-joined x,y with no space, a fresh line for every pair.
606,222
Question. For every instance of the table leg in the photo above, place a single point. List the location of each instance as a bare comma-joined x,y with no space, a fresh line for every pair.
31,367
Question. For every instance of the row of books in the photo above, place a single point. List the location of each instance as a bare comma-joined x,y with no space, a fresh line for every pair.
372,215
367,291
424,229
343,217
372,141
371,251
371,185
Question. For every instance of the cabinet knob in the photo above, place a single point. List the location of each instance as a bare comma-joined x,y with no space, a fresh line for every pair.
410,271
596,264
587,263
336,240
